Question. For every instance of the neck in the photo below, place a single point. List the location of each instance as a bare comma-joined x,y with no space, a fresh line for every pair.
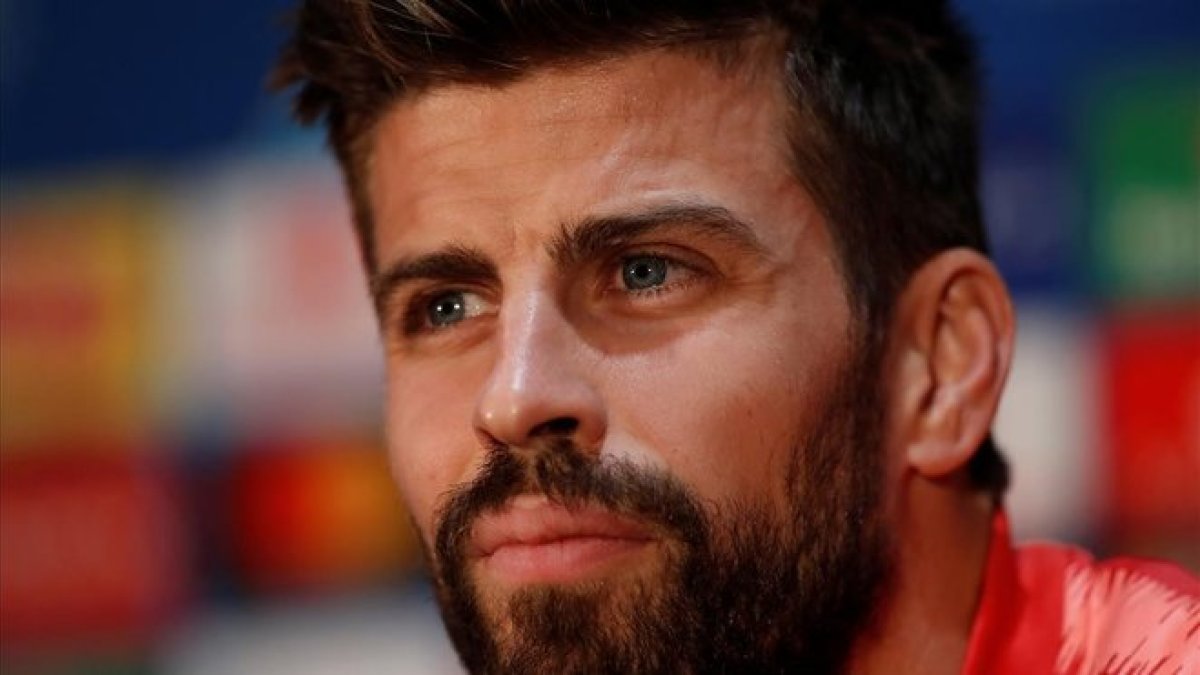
943,530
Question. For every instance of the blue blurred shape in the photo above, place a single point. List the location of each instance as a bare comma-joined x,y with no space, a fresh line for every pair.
132,81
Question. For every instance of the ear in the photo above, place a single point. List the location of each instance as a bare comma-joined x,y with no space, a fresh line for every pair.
951,349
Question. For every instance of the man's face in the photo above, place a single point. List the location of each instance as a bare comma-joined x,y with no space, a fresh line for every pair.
623,398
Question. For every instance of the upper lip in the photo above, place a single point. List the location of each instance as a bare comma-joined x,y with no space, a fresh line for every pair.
531,520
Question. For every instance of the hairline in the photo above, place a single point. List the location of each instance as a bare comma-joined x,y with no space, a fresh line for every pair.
753,52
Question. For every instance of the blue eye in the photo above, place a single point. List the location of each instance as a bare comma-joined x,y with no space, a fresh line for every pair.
447,309
644,272
444,309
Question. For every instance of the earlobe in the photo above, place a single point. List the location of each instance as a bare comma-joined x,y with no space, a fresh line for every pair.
955,323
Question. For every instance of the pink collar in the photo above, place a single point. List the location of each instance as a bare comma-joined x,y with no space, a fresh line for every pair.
1018,624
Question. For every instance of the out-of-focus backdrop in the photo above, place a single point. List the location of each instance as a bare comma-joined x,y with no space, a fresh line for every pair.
191,473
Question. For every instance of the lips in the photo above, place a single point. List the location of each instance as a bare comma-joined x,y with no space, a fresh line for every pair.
533,540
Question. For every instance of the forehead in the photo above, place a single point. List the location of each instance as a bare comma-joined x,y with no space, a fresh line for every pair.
562,144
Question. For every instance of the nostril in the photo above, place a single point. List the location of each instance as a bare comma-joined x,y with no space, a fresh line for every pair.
559,426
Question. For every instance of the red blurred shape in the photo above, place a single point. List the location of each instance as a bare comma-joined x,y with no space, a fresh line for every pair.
90,549
1152,377
317,516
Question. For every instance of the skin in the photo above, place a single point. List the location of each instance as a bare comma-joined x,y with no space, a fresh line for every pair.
713,376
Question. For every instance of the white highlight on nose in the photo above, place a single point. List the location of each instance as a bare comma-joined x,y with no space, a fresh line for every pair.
540,374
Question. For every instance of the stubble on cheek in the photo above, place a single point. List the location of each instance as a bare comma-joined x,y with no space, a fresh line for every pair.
429,448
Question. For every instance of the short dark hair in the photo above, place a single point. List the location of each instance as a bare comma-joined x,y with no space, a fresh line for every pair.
883,98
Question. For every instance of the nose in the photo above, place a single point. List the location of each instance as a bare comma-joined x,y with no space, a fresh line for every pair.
541,383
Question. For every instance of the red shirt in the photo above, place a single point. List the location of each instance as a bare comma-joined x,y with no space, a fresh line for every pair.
1049,608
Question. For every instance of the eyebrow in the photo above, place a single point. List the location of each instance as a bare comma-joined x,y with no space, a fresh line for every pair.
595,235
584,240
454,263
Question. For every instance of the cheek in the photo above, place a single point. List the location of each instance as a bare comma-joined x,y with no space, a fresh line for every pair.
430,439
727,406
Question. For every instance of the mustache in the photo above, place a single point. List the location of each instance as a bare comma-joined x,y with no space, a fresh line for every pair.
558,469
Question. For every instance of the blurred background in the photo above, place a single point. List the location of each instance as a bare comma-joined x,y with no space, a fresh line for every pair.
191,473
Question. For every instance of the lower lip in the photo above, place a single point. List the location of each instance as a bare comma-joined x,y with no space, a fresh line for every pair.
560,561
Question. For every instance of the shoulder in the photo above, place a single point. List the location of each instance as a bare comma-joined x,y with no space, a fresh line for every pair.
1127,615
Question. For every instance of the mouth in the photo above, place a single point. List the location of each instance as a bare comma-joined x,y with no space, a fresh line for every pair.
532,541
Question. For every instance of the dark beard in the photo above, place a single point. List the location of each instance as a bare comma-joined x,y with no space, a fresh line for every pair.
742,588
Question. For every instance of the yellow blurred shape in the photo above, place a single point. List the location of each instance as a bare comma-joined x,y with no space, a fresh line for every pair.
74,299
